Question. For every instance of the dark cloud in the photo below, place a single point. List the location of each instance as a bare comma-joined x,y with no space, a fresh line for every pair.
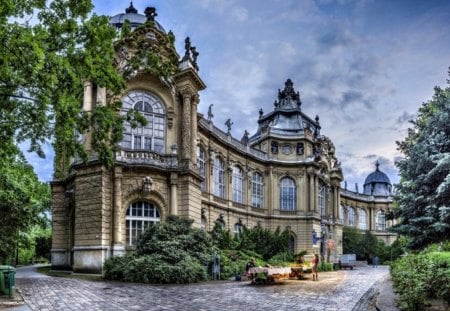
335,36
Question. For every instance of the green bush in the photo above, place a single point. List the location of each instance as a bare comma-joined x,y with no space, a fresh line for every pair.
152,269
325,266
282,259
169,252
418,277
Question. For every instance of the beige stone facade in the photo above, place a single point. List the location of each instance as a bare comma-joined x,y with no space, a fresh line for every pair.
182,164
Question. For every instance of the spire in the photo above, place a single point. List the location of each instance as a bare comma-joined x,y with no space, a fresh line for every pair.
131,9
288,98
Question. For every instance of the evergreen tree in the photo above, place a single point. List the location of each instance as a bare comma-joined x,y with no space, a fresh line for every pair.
423,195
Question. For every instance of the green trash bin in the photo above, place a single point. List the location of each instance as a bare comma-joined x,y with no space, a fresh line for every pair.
7,279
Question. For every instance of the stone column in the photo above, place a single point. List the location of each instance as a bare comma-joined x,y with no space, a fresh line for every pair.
194,106
311,193
173,194
118,232
87,96
315,192
186,126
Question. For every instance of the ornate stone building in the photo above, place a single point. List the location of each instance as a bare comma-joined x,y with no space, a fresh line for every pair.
285,175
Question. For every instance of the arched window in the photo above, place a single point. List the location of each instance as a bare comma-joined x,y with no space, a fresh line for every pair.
139,216
152,135
322,198
362,219
288,194
341,213
201,163
291,244
257,190
219,177
238,184
351,216
381,221
238,228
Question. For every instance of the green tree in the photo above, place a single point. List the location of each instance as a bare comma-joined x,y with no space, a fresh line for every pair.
24,202
423,195
43,67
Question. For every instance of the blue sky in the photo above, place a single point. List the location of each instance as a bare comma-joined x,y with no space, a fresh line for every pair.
364,67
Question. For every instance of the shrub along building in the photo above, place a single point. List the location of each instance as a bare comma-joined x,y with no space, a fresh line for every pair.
285,175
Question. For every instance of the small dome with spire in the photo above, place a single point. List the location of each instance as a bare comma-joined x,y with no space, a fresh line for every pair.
377,183
131,14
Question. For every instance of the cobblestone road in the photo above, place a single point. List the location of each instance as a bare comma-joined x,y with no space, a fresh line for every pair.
341,290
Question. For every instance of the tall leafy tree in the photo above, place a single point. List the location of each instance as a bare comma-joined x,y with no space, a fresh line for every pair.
423,195
24,202
49,49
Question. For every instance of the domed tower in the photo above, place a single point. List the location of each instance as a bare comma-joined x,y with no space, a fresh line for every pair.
135,19
377,183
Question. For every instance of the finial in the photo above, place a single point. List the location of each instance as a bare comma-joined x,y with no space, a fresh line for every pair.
244,139
210,113
317,119
228,123
261,112
377,164
131,9
150,13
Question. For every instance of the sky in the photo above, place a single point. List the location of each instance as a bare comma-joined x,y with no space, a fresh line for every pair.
363,66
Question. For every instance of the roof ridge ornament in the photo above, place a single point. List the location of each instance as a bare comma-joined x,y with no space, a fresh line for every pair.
190,53
288,98
131,9
150,13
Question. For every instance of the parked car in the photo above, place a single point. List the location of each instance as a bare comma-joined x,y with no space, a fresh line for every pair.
347,261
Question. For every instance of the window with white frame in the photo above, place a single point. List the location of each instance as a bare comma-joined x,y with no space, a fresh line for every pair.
381,221
257,190
288,194
322,199
201,163
238,184
152,135
219,177
362,219
139,216
351,216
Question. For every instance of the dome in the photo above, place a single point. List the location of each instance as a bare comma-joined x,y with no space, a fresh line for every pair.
135,19
377,183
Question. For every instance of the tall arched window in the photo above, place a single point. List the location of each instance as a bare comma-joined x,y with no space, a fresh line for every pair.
219,177
381,221
288,194
322,199
257,190
139,216
238,184
292,243
351,216
362,219
152,135
341,213
201,163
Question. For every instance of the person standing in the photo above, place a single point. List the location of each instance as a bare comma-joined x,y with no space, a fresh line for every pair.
315,266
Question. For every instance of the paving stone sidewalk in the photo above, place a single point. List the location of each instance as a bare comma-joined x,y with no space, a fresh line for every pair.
341,290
